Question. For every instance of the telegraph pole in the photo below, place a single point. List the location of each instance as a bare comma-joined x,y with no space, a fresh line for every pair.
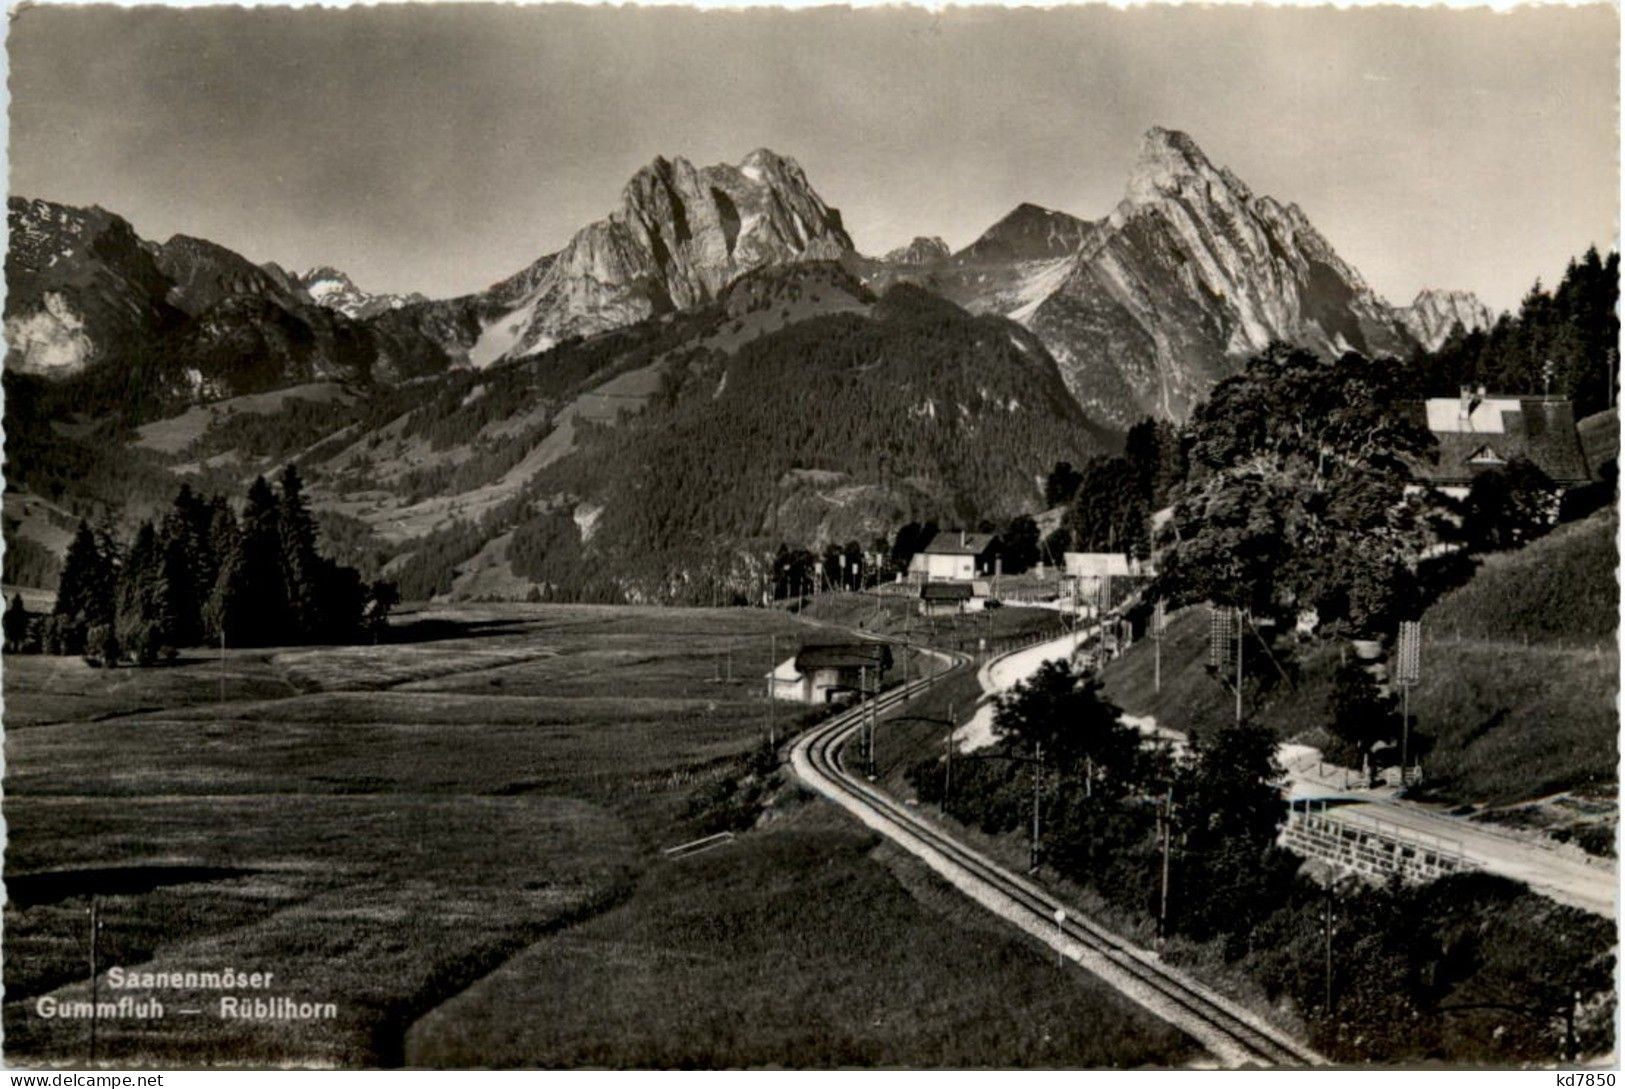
95,935
1330,878
874,718
772,682
1410,671
948,764
1157,621
1241,635
1100,617
1038,771
863,714
905,667
1167,843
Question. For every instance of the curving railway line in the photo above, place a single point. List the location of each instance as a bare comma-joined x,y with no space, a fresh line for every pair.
1234,1036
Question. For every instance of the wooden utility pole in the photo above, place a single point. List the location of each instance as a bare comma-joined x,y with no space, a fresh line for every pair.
1329,881
905,667
1038,782
1167,843
1100,617
772,682
863,717
1241,634
1158,619
95,937
948,764
874,718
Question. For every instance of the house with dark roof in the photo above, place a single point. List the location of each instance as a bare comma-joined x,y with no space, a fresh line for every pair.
945,598
829,672
955,555
1479,431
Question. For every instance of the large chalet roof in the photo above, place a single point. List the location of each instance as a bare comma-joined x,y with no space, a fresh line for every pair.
957,543
842,656
1485,431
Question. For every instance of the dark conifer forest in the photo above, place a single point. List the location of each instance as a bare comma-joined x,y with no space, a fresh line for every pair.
203,573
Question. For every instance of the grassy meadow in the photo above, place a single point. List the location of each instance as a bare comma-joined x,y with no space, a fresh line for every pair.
412,829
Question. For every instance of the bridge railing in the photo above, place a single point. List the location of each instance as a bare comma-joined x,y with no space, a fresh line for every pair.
1371,846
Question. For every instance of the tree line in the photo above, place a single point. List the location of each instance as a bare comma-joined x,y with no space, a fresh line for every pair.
1560,341
202,573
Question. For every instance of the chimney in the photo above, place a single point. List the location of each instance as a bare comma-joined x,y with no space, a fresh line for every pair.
1465,412
961,538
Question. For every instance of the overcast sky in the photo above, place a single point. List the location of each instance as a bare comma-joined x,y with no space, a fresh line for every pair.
438,149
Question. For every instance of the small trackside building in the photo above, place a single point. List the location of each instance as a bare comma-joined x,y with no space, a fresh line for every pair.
830,672
955,556
945,598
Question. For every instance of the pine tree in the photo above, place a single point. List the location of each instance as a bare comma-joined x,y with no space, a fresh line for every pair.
248,604
146,621
191,563
302,570
84,596
16,626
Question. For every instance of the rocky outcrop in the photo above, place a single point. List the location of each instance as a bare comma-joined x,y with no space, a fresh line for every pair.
921,251
1433,314
1189,274
680,236
78,280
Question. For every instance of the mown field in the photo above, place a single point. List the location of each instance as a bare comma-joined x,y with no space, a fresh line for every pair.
1520,675
456,840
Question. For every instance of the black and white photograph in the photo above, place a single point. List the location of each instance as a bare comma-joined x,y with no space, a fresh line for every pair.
660,538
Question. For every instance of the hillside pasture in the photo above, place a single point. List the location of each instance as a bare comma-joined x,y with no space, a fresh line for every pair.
1519,676
172,435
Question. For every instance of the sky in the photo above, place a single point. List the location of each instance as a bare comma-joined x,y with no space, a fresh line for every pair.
440,148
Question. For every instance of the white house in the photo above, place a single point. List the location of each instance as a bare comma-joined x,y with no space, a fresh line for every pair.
1097,565
955,556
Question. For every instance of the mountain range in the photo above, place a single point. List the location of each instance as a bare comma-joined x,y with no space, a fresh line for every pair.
718,304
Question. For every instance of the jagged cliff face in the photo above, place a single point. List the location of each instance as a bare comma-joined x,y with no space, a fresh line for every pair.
1433,314
680,236
77,280
205,322
1189,274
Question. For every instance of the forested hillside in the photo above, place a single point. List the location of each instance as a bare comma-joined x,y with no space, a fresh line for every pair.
838,427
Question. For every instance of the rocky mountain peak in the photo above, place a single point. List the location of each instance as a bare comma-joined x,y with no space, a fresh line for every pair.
1434,313
680,236
1170,162
1029,232
921,251
332,289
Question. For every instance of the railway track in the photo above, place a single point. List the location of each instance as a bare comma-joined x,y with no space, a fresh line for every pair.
1233,1035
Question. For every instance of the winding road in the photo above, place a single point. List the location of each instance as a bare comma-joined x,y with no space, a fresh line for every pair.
1233,1035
